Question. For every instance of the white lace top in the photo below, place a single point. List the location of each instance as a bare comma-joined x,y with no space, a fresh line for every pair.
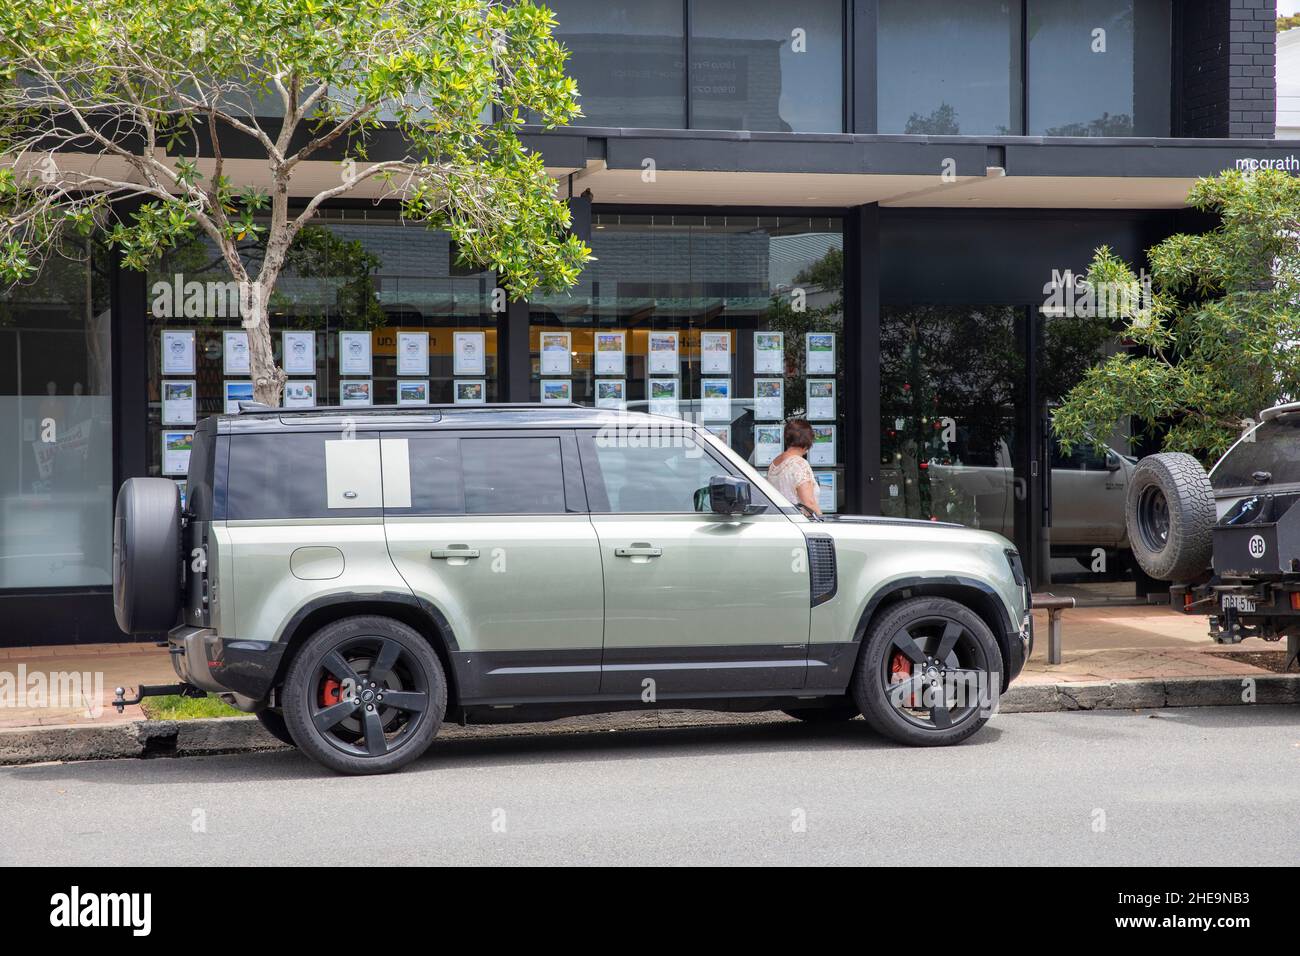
788,474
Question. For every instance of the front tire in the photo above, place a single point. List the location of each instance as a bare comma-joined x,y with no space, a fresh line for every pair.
365,695
928,672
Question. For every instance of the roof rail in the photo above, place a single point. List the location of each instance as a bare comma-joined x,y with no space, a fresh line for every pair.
259,408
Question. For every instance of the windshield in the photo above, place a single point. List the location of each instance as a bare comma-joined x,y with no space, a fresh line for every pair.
1272,448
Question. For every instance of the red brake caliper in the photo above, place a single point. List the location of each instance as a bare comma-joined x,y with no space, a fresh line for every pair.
331,692
900,670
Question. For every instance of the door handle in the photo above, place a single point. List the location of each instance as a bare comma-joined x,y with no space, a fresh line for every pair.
455,551
638,551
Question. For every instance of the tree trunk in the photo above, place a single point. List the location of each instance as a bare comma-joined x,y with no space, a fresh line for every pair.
268,378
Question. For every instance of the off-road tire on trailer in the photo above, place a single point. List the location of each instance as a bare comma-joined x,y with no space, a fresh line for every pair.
934,636
1170,516
147,560
392,709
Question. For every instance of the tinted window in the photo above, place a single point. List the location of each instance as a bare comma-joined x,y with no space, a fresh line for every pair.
436,485
506,476
1099,67
769,65
285,476
1273,447
947,68
640,480
628,60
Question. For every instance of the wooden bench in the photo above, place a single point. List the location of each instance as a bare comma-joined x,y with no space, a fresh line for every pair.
1054,606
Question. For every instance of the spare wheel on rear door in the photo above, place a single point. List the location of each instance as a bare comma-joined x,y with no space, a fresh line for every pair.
147,562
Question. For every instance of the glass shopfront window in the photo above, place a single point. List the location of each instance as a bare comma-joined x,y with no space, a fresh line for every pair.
771,66
731,321
1099,67
972,88
56,469
763,65
1091,67
629,60
1089,551
369,312
951,378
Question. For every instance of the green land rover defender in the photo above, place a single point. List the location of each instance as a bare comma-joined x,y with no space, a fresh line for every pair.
356,577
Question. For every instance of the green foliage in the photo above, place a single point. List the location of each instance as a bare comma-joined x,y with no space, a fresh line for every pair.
172,73
1217,338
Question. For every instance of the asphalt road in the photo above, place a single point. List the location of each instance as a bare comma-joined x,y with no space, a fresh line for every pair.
1185,786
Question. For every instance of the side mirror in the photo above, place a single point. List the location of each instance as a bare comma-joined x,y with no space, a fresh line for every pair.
729,495
1112,461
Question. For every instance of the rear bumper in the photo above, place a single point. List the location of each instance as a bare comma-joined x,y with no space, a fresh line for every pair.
224,665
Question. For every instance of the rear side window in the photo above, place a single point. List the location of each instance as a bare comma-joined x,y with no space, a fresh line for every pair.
505,476
311,475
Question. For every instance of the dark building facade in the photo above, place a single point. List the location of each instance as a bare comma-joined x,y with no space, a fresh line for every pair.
863,211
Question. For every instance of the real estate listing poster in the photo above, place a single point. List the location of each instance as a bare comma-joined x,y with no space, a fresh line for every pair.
300,393
715,353
298,352
715,399
234,355
769,352
820,353
413,392
469,353
356,392
557,391
178,403
557,353
412,353
663,353
611,393
821,399
611,353
769,399
825,490
354,353
235,392
663,396
178,352
823,449
176,452
470,392
767,444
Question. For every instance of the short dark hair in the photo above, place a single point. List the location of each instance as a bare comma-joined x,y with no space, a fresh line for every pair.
798,433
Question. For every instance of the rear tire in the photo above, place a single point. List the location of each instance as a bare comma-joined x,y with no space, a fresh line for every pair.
272,722
1170,516
364,695
147,555
933,638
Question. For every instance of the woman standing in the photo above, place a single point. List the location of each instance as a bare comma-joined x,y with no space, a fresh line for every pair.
790,471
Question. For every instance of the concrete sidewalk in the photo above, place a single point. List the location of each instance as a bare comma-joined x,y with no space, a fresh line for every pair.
1100,644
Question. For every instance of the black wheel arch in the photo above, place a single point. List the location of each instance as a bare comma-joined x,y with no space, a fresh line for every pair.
423,617
975,594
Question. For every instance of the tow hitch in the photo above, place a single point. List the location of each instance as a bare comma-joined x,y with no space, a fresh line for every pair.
155,690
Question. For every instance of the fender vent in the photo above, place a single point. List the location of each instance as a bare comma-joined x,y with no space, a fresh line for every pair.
821,567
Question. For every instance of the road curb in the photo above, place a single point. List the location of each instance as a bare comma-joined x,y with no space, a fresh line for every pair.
225,735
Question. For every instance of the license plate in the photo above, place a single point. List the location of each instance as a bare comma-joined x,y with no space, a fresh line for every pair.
1242,603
